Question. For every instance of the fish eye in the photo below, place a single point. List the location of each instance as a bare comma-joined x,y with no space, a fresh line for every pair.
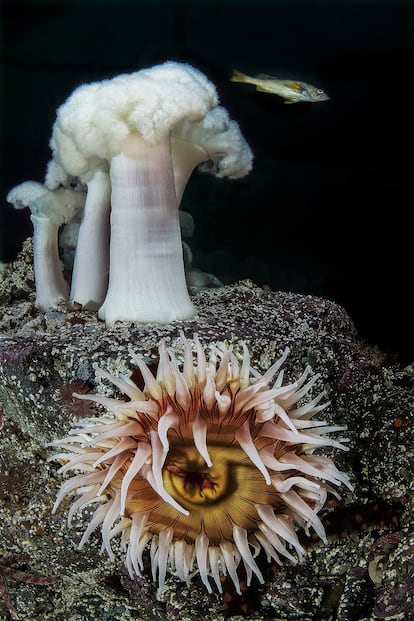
319,91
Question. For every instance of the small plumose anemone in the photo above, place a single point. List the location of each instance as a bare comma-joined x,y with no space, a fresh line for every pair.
209,464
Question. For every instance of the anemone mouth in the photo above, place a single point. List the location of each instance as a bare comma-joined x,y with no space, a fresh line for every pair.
218,497
208,463
191,482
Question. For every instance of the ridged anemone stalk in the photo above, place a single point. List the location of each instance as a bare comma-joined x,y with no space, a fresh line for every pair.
50,283
91,265
146,278
207,464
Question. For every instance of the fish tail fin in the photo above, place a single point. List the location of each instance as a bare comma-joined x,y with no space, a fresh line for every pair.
238,76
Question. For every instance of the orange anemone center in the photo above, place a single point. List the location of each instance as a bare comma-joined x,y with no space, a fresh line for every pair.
217,498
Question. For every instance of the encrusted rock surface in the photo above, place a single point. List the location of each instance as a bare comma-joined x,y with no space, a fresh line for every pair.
365,572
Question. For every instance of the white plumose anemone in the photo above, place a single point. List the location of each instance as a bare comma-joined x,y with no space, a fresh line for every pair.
208,464
134,141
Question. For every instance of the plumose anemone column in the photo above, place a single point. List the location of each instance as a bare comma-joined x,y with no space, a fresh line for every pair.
91,265
145,232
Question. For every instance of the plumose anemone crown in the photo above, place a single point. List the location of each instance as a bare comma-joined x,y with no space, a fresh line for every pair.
207,463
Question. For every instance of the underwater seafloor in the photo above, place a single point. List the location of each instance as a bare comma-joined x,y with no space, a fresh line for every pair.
365,572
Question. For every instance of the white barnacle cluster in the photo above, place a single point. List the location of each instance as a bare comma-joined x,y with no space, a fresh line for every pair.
131,142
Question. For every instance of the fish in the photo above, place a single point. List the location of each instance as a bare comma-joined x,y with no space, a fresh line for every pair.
292,91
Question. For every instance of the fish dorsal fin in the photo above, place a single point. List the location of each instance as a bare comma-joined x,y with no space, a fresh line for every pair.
265,76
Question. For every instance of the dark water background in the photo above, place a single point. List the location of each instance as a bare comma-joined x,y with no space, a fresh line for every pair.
327,209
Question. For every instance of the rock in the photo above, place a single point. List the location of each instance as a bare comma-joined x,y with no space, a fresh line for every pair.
45,357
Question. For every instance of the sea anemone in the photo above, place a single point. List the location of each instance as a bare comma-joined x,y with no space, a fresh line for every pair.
50,209
128,146
134,141
207,463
